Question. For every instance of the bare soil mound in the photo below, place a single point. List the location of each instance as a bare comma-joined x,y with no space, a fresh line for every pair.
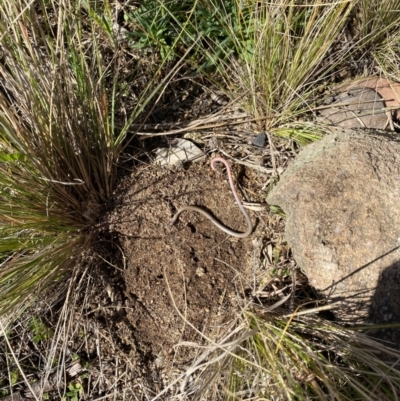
179,280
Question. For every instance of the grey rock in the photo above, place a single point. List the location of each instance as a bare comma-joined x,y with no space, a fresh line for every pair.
357,108
259,140
341,196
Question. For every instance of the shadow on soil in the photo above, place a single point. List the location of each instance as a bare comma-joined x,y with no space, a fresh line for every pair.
379,306
385,307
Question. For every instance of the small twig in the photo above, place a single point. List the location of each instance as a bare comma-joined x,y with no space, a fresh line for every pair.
271,148
196,125
191,124
313,310
80,182
294,277
343,104
358,118
389,121
251,165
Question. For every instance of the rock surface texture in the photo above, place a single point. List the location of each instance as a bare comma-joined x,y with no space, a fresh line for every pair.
341,198
357,108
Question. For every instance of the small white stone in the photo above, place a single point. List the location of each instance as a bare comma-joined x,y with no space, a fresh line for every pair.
182,151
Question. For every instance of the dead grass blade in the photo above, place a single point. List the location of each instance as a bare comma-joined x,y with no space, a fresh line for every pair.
295,358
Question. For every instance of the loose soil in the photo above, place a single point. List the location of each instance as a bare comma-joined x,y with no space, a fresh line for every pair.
180,280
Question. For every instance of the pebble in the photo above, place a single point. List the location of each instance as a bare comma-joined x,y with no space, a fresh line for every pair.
259,140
